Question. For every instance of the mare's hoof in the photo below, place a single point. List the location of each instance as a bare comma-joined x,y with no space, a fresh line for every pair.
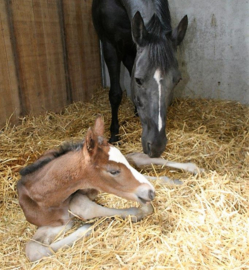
114,139
135,112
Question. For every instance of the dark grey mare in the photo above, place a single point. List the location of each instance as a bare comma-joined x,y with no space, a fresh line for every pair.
139,34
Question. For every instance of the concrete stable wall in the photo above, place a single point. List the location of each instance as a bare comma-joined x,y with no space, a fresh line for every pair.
214,56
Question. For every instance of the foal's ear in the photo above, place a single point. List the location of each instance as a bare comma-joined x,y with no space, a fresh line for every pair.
180,31
91,142
99,126
139,31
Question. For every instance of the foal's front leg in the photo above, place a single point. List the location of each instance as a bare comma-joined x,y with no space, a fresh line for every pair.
42,244
85,208
141,159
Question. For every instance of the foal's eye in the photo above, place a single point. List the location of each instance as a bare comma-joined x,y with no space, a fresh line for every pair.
139,81
114,172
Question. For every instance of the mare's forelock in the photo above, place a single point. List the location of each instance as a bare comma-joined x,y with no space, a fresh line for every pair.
161,51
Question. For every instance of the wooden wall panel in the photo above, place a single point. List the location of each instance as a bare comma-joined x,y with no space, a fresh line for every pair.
9,98
82,48
39,53
49,56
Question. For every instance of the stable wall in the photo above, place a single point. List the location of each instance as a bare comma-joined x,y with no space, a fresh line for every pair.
214,56
49,56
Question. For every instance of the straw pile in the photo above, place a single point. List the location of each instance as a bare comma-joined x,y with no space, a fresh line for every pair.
202,224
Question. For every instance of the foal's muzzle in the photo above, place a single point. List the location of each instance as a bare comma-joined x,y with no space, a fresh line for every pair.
145,193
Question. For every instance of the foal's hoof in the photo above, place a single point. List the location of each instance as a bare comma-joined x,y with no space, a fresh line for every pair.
147,209
166,180
143,211
193,168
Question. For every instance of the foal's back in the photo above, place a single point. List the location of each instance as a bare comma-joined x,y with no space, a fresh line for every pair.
50,155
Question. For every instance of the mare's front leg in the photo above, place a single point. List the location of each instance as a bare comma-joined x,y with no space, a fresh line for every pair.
85,208
115,94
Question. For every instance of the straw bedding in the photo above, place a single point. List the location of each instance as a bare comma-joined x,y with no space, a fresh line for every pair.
202,224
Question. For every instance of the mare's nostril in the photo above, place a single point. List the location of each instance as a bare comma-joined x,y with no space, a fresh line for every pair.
149,148
151,194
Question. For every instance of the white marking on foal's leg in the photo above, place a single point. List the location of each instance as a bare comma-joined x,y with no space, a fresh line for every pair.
38,247
141,159
92,209
157,77
41,245
165,180
82,231
188,167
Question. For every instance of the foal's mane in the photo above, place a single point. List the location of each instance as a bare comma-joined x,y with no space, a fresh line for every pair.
161,52
43,160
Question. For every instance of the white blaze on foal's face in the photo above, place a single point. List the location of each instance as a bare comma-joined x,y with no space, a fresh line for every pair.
117,156
157,77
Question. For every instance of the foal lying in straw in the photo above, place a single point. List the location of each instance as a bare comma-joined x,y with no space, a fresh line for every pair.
63,183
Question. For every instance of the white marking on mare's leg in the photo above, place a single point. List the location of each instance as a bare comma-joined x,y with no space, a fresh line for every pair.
157,77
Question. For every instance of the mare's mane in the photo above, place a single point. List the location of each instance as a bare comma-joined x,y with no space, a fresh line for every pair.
63,149
161,52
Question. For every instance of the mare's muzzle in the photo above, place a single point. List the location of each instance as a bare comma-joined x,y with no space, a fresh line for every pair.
154,142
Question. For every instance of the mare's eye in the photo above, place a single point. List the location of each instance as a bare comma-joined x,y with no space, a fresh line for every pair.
114,172
138,102
139,81
176,81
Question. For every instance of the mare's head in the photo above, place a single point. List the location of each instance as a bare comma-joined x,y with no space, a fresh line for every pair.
109,171
155,74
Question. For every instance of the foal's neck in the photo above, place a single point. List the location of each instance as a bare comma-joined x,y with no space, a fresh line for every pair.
62,176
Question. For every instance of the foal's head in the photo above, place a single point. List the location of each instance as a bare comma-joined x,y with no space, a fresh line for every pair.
109,171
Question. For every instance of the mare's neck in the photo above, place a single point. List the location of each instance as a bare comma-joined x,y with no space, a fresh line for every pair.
145,7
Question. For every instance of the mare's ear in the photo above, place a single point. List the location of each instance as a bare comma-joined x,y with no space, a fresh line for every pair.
99,126
180,31
139,32
91,143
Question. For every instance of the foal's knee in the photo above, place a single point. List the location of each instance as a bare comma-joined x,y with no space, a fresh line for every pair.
81,206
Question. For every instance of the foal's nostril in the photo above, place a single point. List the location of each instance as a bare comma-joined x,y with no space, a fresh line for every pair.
151,195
